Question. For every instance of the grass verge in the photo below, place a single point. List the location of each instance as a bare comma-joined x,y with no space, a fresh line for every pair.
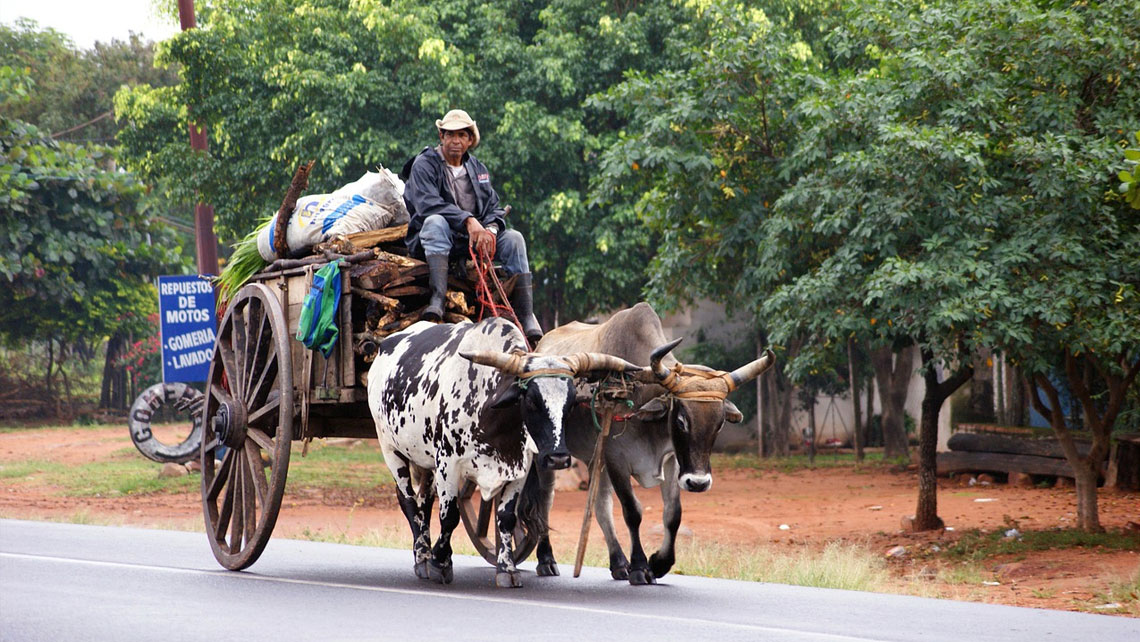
975,545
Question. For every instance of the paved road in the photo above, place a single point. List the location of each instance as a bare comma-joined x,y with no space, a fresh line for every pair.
74,582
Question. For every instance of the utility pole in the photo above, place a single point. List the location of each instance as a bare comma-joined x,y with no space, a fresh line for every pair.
207,243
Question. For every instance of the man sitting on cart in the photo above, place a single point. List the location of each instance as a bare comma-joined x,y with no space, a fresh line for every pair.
450,199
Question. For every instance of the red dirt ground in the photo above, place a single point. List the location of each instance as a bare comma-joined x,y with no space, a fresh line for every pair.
744,507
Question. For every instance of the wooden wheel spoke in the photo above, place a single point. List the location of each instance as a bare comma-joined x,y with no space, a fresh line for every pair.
219,480
264,441
486,516
241,351
237,488
255,346
263,382
260,484
220,394
249,489
257,417
225,352
226,511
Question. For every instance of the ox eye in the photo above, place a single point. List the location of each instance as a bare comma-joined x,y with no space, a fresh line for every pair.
683,423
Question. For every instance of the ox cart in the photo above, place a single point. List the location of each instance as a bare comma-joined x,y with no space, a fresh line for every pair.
266,391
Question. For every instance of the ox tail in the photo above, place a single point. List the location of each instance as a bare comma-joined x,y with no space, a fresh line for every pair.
532,508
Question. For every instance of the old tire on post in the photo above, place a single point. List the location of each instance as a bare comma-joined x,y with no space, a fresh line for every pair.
139,423
478,519
249,422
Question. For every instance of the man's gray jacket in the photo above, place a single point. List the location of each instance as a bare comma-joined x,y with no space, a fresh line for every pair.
426,193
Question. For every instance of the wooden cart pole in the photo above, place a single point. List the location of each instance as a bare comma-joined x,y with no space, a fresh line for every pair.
597,464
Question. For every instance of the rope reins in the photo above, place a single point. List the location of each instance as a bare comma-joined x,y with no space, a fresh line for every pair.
484,277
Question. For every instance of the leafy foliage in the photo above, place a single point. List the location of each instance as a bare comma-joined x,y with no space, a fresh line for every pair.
76,253
1129,181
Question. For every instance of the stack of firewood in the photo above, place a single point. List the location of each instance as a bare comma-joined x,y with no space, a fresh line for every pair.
390,289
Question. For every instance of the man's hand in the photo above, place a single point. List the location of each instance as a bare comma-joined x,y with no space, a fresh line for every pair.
481,238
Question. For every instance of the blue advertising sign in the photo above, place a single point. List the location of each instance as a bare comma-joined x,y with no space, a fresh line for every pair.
186,311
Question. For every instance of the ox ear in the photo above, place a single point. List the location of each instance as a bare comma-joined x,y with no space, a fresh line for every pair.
653,410
507,396
732,414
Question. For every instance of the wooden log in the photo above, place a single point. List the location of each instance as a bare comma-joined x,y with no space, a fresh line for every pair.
325,257
296,187
388,303
452,317
458,303
407,290
1124,462
996,443
372,238
958,462
390,317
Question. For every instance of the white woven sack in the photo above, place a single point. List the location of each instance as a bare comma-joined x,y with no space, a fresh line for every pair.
319,217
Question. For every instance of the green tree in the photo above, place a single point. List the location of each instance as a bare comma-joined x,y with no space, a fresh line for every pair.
957,188
77,254
700,164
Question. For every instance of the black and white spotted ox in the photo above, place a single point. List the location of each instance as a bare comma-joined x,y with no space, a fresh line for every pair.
466,402
666,442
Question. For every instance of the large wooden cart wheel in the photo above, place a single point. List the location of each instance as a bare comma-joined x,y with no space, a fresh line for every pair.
249,417
479,520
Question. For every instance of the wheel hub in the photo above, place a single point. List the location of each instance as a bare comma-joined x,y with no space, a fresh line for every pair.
229,424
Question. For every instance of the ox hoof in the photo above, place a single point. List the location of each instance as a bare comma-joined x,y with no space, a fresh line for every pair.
659,566
504,579
422,570
440,574
619,572
641,577
546,569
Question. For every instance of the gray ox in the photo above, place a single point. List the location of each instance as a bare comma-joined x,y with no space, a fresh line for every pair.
666,442
442,419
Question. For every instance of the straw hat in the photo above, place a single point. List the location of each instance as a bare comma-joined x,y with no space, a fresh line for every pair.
458,119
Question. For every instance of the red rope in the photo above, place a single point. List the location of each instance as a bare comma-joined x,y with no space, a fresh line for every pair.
484,277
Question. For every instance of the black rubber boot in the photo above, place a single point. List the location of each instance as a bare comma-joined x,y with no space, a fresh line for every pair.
522,300
437,278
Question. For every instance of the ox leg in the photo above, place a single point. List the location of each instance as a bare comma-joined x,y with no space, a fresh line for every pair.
661,561
507,575
425,501
406,496
639,572
604,513
440,567
547,566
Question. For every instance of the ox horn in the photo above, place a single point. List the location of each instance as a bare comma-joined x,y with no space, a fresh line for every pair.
509,363
592,361
748,372
658,354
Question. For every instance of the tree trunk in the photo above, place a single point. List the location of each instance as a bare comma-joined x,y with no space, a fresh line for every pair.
50,366
779,395
892,372
1016,397
1088,514
926,513
853,373
809,439
114,345
1098,419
